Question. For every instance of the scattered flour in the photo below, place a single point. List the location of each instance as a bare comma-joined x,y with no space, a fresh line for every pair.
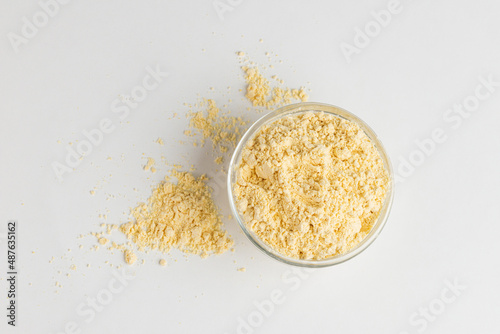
259,91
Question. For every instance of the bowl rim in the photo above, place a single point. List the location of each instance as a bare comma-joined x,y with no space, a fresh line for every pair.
298,108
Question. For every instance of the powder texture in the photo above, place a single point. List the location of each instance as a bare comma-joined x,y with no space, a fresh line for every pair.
130,256
259,91
222,129
180,215
311,185
103,241
183,215
150,164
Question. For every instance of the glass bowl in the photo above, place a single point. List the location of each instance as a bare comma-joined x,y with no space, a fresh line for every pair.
295,109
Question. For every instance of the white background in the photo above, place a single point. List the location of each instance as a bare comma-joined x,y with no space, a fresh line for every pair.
444,222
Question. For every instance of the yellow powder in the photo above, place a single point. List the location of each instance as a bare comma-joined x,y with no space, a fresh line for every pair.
163,262
150,164
222,129
130,256
103,241
311,185
114,245
183,215
259,91
180,215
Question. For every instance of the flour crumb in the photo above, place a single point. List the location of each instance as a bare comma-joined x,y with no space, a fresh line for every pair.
130,256
149,164
103,241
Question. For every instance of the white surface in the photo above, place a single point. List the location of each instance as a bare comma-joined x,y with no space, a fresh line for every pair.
444,222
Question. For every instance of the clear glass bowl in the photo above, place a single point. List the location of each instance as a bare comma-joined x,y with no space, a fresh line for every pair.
295,109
